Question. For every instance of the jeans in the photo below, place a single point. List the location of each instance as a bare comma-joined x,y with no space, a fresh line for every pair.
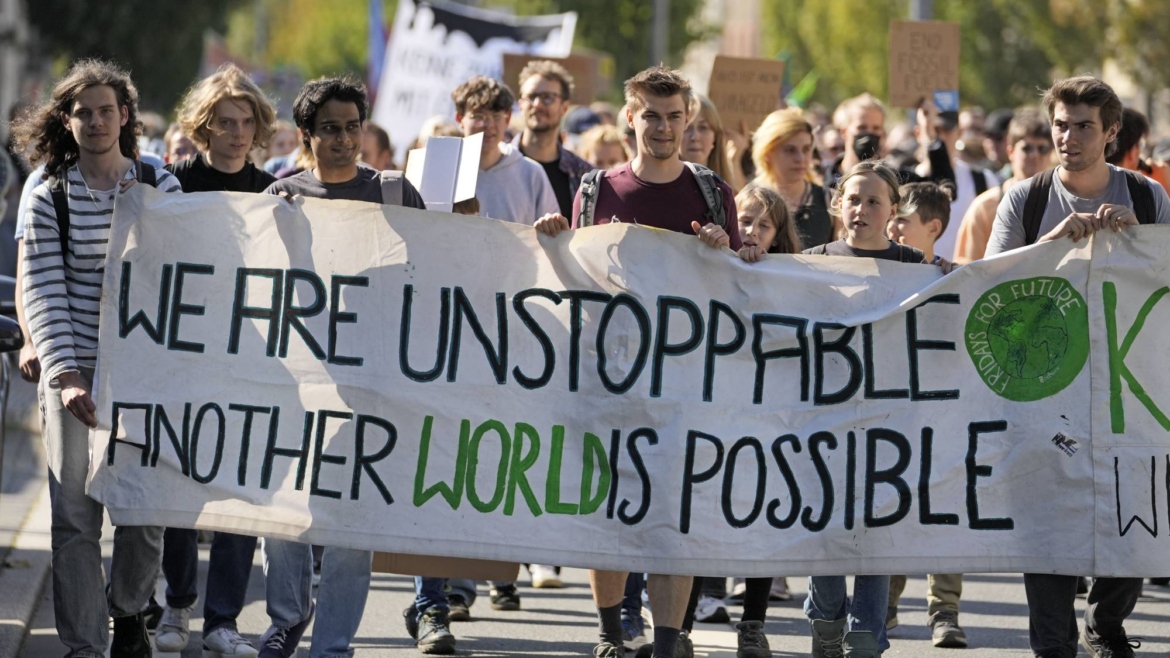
828,601
228,572
341,596
80,600
429,593
632,599
1052,621
942,592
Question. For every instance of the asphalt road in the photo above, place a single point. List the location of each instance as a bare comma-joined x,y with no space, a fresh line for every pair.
563,623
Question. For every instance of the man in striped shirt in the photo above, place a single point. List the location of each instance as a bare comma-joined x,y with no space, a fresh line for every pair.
85,137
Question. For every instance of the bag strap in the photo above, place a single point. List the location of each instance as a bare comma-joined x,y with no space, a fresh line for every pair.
712,193
979,178
392,188
1036,204
1142,197
61,208
589,189
145,174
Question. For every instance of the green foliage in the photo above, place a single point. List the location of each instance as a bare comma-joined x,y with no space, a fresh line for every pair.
161,46
1009,48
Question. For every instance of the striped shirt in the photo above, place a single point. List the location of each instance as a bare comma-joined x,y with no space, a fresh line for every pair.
62,299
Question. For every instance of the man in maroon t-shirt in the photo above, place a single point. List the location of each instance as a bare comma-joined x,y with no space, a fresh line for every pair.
656,189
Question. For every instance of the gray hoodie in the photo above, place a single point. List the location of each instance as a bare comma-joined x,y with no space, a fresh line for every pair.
516,189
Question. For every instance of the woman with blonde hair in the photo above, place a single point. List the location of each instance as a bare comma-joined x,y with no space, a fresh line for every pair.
782,153
705,142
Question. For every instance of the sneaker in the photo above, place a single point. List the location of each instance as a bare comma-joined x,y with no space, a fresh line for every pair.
130,640
153,613
282,642
891,617
751,643
433,631
861,644
545,577
827,638
633,633
945,631
711,610
505,598
684,649
607,650
457,608
1117,646
316,573
779,590
174,630
738,590
226,641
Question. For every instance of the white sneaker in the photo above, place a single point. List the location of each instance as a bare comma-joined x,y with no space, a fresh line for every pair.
738,589
173,630
779,590
545,577
711,610
226,641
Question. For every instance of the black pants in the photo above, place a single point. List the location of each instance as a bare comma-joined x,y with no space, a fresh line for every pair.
1052,621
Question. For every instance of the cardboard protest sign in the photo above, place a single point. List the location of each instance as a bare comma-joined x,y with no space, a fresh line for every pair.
745,89
436,46
589,78
924,63
623,398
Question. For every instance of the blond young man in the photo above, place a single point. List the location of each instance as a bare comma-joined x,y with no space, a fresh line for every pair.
225,115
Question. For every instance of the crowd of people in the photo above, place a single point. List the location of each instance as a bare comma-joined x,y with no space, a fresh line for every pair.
947,190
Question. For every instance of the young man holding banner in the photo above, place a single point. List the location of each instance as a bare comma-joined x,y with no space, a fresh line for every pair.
85,136
659,190
1083,195
331,115
225,115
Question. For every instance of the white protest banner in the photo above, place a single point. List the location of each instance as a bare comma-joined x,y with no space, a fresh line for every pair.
351,374
437,46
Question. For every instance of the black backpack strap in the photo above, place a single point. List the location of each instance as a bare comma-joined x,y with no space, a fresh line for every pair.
1036,204
61,208
145,174
590,187
1142,197
980,179
712,193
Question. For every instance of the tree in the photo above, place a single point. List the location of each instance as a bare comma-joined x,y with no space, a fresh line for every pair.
161,48
1009,48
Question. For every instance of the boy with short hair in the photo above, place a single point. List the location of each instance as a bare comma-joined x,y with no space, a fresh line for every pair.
923,218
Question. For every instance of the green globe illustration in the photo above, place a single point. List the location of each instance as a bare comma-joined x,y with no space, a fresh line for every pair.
1029,337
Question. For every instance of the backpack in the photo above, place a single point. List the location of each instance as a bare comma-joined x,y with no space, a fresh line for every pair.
708,184
1037,203
392,188
142,174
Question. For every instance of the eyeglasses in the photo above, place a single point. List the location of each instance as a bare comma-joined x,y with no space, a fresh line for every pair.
547,97
1042,149
482,118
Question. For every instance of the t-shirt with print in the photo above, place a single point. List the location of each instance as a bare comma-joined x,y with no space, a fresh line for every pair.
1007,232
366,186
62,295
196,175
623,197
894,252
